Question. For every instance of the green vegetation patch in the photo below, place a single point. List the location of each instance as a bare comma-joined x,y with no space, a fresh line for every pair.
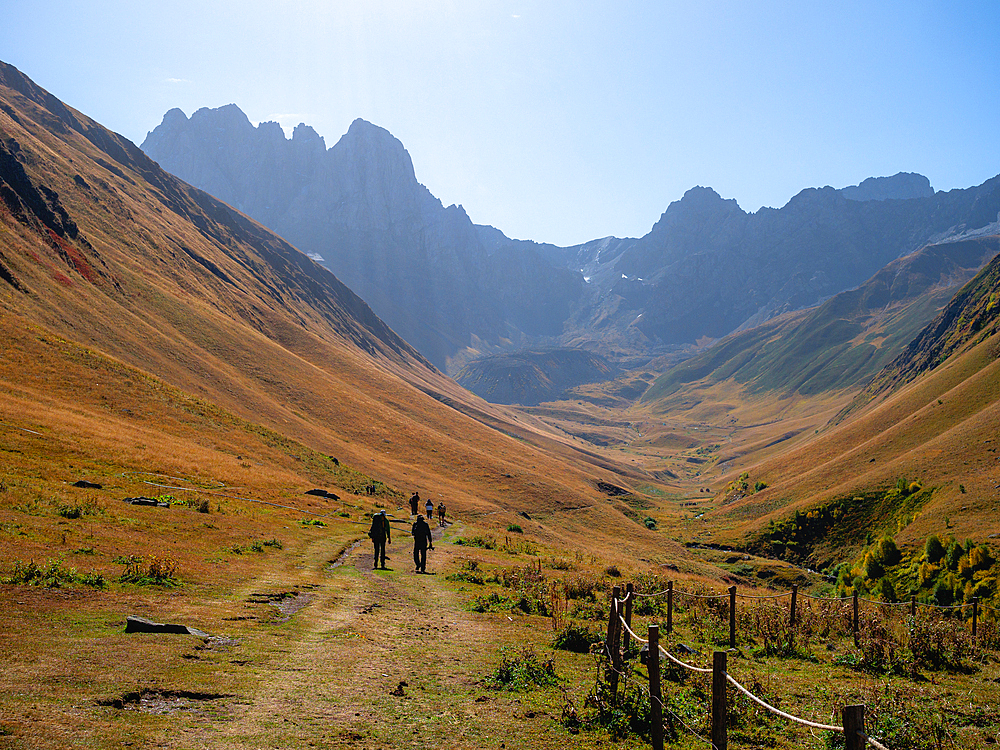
842,521
52,575
521,670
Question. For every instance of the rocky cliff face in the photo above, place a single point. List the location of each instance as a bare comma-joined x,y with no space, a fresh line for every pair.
358,209
532,377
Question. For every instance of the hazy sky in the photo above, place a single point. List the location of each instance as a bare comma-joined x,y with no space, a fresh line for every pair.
559,121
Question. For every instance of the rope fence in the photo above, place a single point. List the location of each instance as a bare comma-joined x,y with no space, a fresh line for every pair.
619,622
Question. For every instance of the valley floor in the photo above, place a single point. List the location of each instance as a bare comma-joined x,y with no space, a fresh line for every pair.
309,653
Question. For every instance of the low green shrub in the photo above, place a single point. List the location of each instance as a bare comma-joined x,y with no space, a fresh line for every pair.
582,587
151,571
521,670
588,610
491,602
484,542
939,644
469,572
575,638
53,575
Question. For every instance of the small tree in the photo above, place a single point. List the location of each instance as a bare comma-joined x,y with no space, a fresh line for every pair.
933,549
888,552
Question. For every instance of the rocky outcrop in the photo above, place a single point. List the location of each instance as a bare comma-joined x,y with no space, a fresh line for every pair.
135,624
901,186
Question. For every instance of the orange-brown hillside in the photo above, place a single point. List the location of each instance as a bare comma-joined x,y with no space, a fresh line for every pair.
105,256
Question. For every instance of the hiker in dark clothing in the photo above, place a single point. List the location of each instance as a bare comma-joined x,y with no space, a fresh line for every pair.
379,534
415,504
421,543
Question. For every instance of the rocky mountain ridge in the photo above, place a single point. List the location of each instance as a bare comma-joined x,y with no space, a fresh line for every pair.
358,209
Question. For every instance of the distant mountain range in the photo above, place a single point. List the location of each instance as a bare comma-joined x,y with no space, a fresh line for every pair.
459,291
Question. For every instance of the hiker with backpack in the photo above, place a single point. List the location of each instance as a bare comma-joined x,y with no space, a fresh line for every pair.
421,543
379,534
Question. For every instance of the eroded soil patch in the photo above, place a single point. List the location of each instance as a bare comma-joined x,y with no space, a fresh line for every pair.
161,702
286,602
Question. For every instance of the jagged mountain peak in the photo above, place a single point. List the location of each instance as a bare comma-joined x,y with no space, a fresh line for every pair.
698,205
305,134
365,143
810,197
227,114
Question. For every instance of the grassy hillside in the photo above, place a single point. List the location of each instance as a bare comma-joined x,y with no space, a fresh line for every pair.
102,248
935,422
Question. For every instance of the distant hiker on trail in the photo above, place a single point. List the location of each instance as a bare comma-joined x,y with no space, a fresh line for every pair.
414,503
421,543
379,534
429,508
441,513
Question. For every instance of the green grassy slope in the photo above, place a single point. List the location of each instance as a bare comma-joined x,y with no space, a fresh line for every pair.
843,341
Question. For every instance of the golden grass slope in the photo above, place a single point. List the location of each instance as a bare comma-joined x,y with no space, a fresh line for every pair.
941,429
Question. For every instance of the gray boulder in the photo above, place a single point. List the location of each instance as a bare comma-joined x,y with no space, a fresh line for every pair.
135,624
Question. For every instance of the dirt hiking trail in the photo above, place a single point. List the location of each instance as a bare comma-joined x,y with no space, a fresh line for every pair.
380,659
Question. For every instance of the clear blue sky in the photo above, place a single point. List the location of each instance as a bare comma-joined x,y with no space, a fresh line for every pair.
559,121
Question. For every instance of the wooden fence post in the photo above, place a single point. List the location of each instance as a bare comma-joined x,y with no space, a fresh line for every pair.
795,596
913,605
611,642
670,606
611,622
975,615
655,696
719,700
854,725
854,620
732,617
629,595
